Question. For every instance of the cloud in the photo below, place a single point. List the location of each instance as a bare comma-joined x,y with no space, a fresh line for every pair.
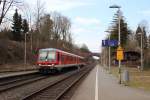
87,21
85,25
66,4
62,5
87,30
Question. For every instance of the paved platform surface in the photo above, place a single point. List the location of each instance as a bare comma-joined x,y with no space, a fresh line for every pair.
8,74
99,85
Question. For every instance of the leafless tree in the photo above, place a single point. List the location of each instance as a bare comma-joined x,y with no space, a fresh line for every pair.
46,25
39,11
56,25
61,28
132,43
65,28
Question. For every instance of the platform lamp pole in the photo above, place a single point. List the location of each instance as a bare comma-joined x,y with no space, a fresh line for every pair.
141,51
109,57
25,48
119,42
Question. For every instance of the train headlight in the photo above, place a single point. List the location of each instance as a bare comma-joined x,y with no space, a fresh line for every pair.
39,64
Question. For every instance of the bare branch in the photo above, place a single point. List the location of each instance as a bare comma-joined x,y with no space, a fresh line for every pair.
3,9
5,6
0,2
8,7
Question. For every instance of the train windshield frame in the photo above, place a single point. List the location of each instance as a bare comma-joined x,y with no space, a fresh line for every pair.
47,55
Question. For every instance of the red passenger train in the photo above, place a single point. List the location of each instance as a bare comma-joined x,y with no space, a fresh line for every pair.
51,59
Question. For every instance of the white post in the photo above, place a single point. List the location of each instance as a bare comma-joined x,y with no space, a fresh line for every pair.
109,56
141,52
31,47
25,51
119,43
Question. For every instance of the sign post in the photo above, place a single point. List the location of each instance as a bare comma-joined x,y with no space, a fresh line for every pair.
109,43
120,56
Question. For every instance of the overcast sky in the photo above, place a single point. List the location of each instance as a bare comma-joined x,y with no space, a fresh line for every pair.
90,18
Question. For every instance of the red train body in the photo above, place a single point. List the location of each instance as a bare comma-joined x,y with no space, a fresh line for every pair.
51,59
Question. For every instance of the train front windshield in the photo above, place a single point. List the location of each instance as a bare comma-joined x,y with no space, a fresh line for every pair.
47,55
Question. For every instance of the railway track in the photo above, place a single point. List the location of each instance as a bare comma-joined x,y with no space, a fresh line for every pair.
12,79
57,89
34,86
16,81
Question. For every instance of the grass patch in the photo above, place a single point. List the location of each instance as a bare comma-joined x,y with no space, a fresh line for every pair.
138,79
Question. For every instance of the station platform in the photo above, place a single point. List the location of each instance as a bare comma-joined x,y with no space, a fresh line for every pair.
9,74
99,85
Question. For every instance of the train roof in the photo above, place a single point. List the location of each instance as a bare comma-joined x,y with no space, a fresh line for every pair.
53,49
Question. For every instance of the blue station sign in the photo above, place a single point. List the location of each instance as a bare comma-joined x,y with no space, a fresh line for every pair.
111,43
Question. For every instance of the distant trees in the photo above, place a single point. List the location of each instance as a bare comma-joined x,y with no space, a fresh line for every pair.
46,26
5,6
141,32
54,29
38,13
5,34
132,43
19,27
149,41
84,48
45,30
61,28
25,26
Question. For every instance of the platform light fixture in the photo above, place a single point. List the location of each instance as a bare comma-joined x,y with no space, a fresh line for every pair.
119,41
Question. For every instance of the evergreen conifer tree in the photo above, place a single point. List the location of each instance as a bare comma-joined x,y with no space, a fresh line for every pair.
124,30
17,25
25,28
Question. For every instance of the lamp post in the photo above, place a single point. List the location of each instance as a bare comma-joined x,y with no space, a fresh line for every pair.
118,7
25,48
141,51
119,41
25,51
